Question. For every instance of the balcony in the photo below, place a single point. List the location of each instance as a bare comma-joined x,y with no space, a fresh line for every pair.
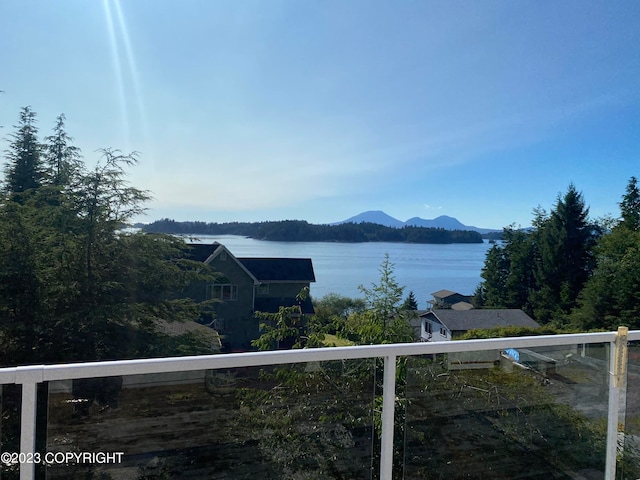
564,406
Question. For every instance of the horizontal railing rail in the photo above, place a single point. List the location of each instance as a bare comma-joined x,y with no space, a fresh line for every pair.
29,376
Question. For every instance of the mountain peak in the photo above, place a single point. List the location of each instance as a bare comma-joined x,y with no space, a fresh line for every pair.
381,218
374,216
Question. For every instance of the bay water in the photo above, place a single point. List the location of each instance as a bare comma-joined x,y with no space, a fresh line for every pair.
342,267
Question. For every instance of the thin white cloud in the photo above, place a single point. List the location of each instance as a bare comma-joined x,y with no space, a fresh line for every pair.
432,207
272,168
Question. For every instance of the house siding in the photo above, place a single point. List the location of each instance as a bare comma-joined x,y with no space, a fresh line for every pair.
431,323
234,319
285,289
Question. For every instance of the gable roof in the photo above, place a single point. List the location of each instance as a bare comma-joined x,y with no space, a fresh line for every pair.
280,269
206,253
261,270
463,320
202,251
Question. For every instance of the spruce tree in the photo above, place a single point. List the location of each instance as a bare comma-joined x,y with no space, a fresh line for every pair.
20,299
508,272
24,169
630,206
565,258
384,298
62,159
611,297
491,292
410,303
520,254
74,285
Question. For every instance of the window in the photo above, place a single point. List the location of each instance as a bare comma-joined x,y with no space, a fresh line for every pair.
427,327
223,256
224,292
443,331
263,289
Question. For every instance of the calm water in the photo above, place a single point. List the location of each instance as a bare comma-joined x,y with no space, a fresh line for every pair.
341,267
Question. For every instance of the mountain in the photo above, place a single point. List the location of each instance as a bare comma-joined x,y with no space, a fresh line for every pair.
446,222
443,221
374,216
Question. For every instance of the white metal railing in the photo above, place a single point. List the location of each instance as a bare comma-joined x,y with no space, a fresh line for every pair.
30,376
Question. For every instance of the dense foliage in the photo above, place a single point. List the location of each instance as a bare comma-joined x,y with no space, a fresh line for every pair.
379,317
569,271
302,231
344,417
611,296
74,284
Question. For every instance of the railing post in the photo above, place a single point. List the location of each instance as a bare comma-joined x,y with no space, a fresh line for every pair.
29,377
388,414
618,368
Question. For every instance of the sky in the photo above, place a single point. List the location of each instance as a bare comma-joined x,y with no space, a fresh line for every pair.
319,110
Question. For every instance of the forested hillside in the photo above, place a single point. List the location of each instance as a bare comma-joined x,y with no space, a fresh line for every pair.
570,270
302,231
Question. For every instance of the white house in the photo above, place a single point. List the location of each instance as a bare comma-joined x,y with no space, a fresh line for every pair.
441,325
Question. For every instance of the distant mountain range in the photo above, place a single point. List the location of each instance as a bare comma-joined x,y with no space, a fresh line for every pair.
443,221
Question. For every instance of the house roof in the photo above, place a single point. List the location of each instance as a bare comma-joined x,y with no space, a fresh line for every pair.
272,305
462,306
280,269
463,320
202,251
206,253
444,293
262,269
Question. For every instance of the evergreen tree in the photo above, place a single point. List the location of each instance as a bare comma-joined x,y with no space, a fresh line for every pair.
520,253
508,272
73,285
630,206
104,202
62,160
565,259
20,300
544,271
384,298
611,297
410,303
491,292
383,321
24,169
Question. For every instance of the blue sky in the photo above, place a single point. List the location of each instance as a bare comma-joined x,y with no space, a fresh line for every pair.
319,110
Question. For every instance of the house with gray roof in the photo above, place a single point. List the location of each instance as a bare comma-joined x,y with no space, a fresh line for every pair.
445,324
447,299
249,285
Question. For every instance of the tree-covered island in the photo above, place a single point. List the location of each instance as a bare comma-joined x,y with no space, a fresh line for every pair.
302,231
